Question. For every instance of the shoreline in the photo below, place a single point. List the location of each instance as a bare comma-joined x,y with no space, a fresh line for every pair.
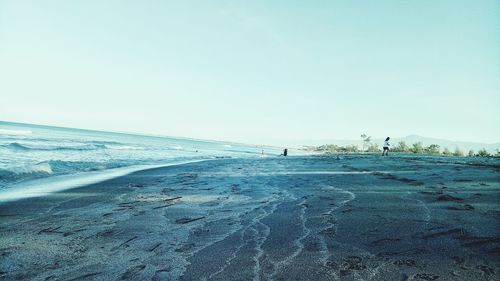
295,218
32,188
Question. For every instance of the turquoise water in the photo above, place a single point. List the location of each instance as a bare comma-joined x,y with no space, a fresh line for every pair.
29,152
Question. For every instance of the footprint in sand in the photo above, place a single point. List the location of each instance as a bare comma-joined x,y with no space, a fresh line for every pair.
447,197
424,276
495,250
313,246
186,247
486,269
199,231
405,262
133,271
162,274
351,263
458,260
465,207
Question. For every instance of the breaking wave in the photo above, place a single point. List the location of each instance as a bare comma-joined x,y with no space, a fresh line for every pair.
124,147
28,171
53,167
83,147
15,132
19,146
36,152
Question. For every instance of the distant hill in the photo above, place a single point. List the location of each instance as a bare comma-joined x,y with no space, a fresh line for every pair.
491,147
426,141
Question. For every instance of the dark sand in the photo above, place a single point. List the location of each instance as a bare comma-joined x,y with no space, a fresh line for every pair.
296,218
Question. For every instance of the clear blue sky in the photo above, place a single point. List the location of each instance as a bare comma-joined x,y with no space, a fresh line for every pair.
255,71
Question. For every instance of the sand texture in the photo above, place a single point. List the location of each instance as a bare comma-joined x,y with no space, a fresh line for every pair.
359,217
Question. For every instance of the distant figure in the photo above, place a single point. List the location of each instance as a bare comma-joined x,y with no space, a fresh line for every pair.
285,152
386,146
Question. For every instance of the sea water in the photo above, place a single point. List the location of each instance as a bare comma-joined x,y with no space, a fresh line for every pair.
37,159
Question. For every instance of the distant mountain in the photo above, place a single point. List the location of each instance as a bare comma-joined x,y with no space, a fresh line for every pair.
426,141
463,145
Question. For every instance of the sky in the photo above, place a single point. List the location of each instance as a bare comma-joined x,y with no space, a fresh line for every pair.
255,71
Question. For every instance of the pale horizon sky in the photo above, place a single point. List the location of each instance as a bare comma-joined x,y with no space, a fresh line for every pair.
255,71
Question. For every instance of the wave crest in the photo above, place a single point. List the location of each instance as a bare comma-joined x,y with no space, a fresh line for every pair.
124,147
36,170
19,146
53,167
15,132
83,147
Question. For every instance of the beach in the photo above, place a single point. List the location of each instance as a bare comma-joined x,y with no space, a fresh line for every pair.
338,217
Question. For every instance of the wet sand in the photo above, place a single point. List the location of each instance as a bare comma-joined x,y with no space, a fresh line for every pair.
361,217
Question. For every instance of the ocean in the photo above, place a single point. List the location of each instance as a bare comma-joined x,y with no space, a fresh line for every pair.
36,159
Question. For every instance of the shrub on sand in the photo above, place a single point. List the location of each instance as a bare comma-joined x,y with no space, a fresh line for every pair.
417,148
373,148
483,153
401,147
432,149
447,152
458,152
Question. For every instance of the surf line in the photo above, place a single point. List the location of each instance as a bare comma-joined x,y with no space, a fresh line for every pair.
49,185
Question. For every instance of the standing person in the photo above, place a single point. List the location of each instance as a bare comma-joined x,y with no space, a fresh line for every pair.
386,147
285,152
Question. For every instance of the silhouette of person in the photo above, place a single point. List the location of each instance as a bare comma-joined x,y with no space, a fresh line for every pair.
385,146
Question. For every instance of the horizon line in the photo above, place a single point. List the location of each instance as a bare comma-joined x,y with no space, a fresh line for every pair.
237,142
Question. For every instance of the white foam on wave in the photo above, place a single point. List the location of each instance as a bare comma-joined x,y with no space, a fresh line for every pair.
44,168
46,186
123,147
15,132
51,146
